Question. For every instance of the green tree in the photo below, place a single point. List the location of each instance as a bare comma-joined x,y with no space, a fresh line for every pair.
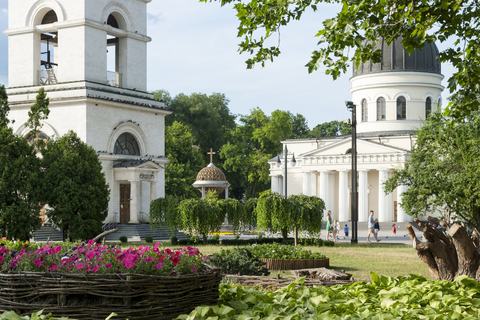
74,187
185,162
201,216
330,129
442,174
4,107
255,141
19,181
300,128
38,112
296,213
351,35
164,212
208,117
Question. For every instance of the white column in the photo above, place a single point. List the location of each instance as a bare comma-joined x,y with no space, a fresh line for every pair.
401,215
382,201
343,196
331,193
324,191
203,192
281,189
153,190
362,195
388,202
306,183
313,183
274,183
134,202
226,193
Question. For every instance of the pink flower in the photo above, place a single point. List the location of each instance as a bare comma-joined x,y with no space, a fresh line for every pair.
108,266
79,266
129,264
148,259
155,247
1,259
168,251
175,261
95,269
90,242
159,266
57,249
37,263
90,254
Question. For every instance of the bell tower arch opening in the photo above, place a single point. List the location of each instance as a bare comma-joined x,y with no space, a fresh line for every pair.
115,48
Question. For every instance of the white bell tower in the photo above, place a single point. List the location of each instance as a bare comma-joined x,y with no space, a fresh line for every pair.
90,56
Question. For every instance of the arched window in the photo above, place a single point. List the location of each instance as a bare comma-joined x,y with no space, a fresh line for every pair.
50,17
364,111
401,108
126,144
381,108
33,139
428,107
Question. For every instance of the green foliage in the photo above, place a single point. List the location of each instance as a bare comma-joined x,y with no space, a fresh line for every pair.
74,187
149,239
164,212
234,212
216,237
277,251
194,240
330,129
352,33
4,107
409,297
442,172
297,212
173,240
38,112
19,187
11,315
185,162
201,216
123,239
238,261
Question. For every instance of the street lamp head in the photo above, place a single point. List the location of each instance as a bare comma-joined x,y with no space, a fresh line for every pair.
349,104
293,161
279,162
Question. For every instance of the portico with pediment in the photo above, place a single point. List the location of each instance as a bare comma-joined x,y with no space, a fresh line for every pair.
325,172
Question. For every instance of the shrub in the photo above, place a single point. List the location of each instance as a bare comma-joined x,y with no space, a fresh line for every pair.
173,240
276,251
237,237
216,237
123,239
238,261
149,239
194,239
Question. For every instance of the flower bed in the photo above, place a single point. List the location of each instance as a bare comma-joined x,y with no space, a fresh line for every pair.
91,281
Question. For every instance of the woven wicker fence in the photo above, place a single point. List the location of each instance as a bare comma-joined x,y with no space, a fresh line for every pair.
293,264
92,296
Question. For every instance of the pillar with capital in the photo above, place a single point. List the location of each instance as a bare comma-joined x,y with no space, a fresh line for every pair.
306,183
363,195
134,202
401,215
343,196
274,183
324,190
382,199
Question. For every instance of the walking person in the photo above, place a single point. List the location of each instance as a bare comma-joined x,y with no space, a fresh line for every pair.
336,231
394,230
371,227
330,226
345,230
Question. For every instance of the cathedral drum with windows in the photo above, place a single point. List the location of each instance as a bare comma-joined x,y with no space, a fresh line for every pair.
393,97
91,58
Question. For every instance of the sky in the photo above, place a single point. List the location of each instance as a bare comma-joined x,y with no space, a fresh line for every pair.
194,49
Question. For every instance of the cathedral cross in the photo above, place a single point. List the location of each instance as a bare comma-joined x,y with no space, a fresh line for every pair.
211,153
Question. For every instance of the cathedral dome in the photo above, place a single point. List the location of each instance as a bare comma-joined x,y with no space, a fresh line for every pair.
396,59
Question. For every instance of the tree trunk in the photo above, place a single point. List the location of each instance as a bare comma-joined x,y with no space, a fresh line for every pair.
449,252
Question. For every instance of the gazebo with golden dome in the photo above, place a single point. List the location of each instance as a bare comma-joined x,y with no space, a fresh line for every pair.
211,178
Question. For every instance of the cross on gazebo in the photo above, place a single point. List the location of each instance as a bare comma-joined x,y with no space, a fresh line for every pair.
211,153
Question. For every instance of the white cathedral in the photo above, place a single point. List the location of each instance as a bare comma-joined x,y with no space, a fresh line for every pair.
393,97
62,46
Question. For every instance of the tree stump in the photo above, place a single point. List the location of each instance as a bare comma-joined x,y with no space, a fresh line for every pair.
447,250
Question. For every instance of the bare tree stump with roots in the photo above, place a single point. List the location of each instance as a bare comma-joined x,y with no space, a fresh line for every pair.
448,254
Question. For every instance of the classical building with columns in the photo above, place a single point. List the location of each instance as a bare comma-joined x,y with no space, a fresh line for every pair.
392,99
90,56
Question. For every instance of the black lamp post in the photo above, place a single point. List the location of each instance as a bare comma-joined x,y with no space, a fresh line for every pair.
279,163
352,107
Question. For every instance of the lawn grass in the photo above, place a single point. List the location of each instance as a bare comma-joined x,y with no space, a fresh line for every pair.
360,259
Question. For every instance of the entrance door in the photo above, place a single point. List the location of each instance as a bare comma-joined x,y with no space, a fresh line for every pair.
124,203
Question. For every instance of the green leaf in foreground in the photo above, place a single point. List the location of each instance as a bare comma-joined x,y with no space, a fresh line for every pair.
409,297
